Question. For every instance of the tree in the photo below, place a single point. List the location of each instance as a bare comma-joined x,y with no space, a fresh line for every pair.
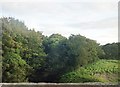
21,44
30,56
15,68
111,51
54,61
81,51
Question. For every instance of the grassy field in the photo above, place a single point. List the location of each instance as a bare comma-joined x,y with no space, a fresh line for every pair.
105,71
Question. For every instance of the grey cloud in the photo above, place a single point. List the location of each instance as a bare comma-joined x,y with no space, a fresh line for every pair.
66,17
101,24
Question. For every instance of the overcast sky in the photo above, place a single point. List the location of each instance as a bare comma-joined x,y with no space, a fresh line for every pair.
95,19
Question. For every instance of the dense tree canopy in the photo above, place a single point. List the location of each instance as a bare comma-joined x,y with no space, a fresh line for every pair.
81,51
22,48
111,51
30,56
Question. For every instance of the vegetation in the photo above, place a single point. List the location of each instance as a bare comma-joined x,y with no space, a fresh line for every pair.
29,56
99,71
111,51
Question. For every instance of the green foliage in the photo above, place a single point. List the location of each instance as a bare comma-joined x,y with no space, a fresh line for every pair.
73,53
15,68
30,56
100,71
19,43
111,51
81,51
55,48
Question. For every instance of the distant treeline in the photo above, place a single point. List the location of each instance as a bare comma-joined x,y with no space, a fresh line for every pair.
29,56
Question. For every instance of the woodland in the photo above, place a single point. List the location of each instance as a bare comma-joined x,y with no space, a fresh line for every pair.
30,56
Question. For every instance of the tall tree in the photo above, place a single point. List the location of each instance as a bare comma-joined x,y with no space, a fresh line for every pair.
81,51
54,49
21,44
111,51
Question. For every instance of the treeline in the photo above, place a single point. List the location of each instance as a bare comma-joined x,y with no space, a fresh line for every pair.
29,56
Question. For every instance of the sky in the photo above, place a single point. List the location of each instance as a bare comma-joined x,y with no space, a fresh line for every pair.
94,19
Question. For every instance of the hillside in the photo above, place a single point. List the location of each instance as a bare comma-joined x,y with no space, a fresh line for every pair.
100,71
30,56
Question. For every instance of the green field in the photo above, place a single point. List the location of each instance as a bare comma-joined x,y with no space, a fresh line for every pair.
101,71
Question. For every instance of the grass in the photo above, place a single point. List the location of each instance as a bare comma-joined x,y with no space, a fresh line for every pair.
105,71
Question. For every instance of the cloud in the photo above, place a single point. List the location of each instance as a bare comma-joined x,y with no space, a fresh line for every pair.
101,24
91,18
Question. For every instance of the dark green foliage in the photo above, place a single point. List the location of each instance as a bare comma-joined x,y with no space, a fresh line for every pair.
111,51
29,56
81,51
55,49
65,55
